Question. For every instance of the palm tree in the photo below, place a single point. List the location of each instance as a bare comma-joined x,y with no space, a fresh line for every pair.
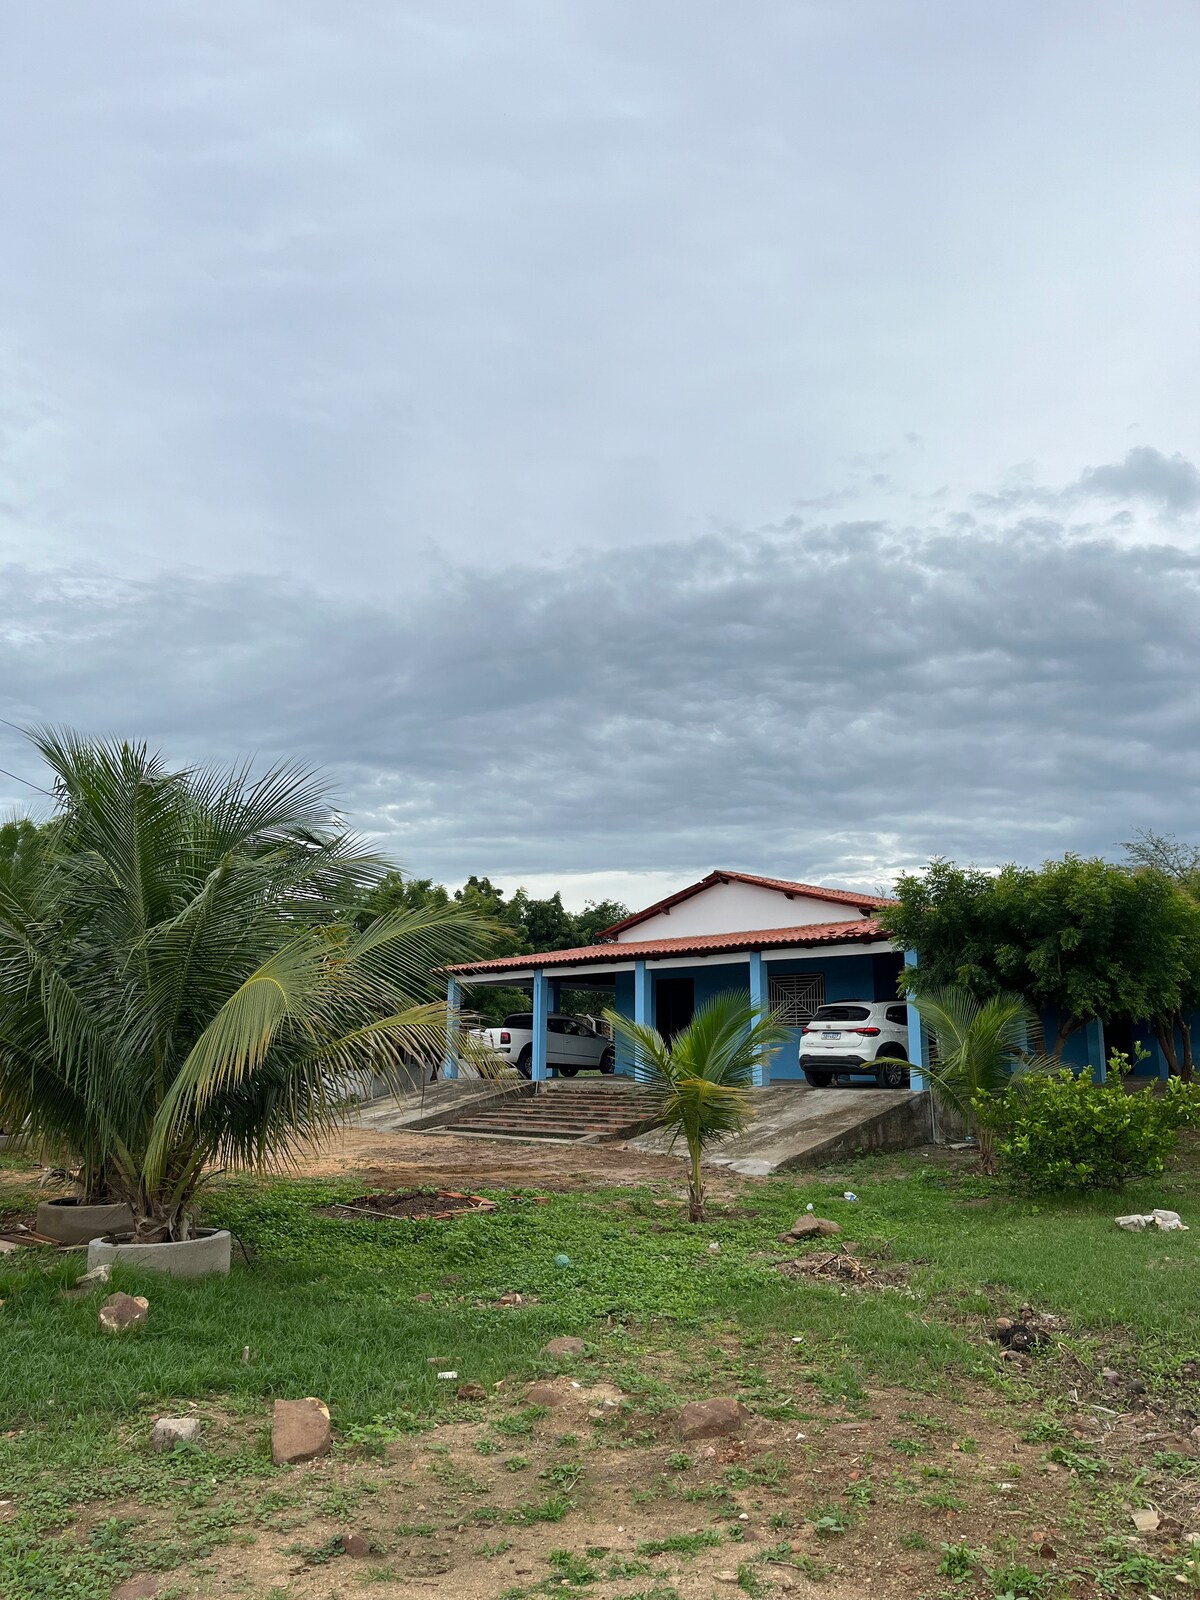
701,1076
979,1044
181,982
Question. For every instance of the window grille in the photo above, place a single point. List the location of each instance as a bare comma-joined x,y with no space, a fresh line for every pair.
794,996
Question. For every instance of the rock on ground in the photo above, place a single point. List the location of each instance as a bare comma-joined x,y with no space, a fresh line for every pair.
138,1589
545,1394
300,1431
564,1347
121,1311
710,1419
356,1544
170,1431
810,1227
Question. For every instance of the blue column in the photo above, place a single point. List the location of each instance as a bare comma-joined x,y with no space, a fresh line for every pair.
918,1044
643,1006
1093,1034
555,993
758,1000
541,1010
1156,1065
453,1006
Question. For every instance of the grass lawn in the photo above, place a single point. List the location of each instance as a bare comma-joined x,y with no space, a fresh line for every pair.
884,1436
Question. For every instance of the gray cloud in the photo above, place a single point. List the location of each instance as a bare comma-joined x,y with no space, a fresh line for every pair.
1171,482
831,699
393,388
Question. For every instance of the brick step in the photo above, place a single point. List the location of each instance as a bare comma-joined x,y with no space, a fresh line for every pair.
514,1125
554,1116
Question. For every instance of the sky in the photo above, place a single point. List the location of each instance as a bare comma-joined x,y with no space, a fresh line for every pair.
614,439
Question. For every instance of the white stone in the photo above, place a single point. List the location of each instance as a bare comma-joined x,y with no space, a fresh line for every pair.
170,1431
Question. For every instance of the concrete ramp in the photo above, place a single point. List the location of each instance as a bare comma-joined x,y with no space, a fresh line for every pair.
796,1126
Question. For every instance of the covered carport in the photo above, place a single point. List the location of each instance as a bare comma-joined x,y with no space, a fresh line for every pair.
775,967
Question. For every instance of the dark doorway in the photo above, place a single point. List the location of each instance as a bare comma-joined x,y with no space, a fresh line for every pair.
674,1003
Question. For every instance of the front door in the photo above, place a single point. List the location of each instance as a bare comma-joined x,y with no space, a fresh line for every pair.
674,1003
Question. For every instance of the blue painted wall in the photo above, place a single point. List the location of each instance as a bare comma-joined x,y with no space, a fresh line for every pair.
846,978
860,978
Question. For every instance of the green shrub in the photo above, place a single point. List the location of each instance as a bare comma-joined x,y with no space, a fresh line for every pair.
1059,1131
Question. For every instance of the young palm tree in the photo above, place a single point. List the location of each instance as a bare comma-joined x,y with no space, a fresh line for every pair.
979,1043
181,983
702,1076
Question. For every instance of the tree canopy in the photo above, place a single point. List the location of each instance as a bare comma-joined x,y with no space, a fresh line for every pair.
525,924
181,982
1082,937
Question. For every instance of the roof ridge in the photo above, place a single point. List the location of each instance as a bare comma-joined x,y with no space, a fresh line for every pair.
786,886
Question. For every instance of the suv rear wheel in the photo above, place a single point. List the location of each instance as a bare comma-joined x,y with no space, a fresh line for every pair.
819,1080
891,1072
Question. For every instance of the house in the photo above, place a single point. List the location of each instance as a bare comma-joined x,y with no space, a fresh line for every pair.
788,946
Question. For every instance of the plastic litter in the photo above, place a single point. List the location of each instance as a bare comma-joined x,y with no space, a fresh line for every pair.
809,1206
445,1375
561,1260
849,1195
1168,1221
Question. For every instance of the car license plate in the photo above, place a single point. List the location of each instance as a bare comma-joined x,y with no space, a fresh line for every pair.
831,1033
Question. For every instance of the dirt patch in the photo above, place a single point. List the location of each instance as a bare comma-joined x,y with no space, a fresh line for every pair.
435,1204
845,1267
600,1484
414,1160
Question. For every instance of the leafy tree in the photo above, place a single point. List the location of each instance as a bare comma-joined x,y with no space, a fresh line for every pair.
1180,863
1082,937
978,1043
523,924
181,982
1162,852
395,892
702,1076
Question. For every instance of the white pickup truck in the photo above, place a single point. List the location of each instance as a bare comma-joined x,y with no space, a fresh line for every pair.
572,1044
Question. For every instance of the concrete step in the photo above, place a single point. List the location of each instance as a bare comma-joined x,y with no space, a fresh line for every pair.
561,1116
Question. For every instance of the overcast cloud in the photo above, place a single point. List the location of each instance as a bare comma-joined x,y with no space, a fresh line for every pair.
614,439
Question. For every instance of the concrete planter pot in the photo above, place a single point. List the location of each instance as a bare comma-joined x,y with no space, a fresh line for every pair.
71,1222
209,1250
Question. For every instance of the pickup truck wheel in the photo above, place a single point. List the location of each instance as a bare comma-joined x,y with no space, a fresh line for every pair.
608,1061
567,1072
525,1062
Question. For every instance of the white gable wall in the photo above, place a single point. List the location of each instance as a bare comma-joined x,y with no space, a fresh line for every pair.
737,908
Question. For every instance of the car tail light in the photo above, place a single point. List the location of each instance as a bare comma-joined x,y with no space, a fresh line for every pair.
506,1037
868,1033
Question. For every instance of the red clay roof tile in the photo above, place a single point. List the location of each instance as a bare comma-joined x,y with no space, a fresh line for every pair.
699,944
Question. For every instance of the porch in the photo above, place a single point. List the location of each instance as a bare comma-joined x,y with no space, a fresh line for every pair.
790,971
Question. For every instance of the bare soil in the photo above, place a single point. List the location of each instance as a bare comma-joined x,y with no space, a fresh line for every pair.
421,1159
413,1203
832,1505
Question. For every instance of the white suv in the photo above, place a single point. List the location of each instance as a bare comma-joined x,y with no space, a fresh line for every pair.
860,1036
